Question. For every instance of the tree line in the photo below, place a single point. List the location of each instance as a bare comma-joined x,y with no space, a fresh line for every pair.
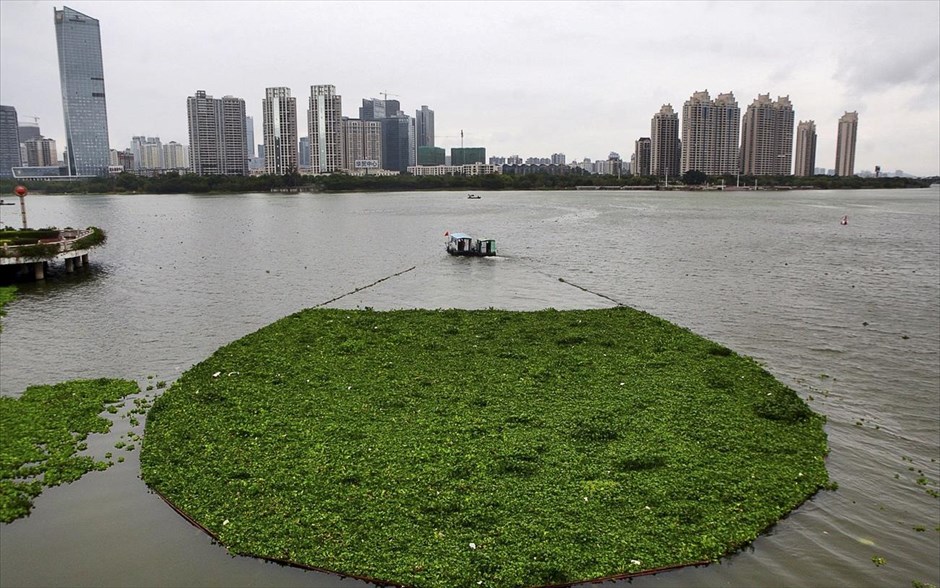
175,183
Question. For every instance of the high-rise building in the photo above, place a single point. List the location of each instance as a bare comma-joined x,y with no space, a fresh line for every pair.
175,156
466,155
641,157
398,143
767,137
805,149
216,135
665,149
249,136
148,153
372,109
234,155
81,74
9,141
845,144
710,134
558,159
280,131
325,126
29,131
429,155
363,142
41,153
424,126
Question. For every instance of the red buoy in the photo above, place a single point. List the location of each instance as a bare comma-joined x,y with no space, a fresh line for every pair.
20,190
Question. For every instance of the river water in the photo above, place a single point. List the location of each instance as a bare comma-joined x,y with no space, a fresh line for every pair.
849,316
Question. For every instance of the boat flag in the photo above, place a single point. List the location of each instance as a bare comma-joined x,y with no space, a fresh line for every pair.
446,233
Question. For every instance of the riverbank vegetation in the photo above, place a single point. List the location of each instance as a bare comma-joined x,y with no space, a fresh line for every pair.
42,433
174,183
461,448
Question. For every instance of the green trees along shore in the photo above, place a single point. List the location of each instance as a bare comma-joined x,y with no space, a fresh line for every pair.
174,183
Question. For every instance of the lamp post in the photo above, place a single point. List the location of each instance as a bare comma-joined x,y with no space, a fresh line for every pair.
21,192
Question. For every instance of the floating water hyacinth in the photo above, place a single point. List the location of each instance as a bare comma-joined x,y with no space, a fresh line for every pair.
558,440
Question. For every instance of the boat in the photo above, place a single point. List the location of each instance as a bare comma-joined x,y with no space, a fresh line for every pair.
473,197
464,245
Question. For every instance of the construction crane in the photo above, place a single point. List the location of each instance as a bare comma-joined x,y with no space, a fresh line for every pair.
385,95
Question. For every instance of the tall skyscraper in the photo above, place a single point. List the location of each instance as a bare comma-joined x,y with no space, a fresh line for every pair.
216,135
805,149
424,126
249,136
641,157
665,149
363,141
845,144
9,141
767,137
710,134
325,127
558,159
81,74
280,131
398,143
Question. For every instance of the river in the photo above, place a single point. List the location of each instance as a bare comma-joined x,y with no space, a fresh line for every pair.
848,316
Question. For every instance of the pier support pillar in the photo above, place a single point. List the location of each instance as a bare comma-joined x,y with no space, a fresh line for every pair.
69,265
39,271
84,259
79,262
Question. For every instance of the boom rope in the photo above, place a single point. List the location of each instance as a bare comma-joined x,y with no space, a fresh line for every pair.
361,288
564,281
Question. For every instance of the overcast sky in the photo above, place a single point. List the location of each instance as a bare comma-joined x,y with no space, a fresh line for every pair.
526,78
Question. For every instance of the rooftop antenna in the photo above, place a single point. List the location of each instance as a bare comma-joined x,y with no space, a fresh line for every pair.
461,138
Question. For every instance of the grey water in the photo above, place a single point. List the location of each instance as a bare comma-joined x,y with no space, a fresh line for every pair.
848,316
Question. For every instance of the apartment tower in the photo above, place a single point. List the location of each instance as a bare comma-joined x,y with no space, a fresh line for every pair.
845,144
665,148
641,157
805,149
363,141
175,156
710,134
280,131
216,135
81,75
325,128
767,137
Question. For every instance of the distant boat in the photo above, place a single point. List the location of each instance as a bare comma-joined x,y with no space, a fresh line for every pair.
845,220
473,197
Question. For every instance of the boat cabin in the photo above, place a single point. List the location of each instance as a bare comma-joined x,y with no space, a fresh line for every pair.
464,244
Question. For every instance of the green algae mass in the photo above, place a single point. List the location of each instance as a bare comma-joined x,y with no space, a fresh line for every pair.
445,448
41,433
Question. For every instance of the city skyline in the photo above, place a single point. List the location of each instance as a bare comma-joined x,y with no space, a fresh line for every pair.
532,87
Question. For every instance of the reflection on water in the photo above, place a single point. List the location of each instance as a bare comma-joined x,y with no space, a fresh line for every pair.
849,316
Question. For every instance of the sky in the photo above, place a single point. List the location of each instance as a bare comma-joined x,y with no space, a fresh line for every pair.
519,78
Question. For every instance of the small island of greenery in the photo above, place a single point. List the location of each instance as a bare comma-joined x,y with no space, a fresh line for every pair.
42,433
462,448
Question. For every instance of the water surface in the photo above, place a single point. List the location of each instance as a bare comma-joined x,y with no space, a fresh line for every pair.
849,316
